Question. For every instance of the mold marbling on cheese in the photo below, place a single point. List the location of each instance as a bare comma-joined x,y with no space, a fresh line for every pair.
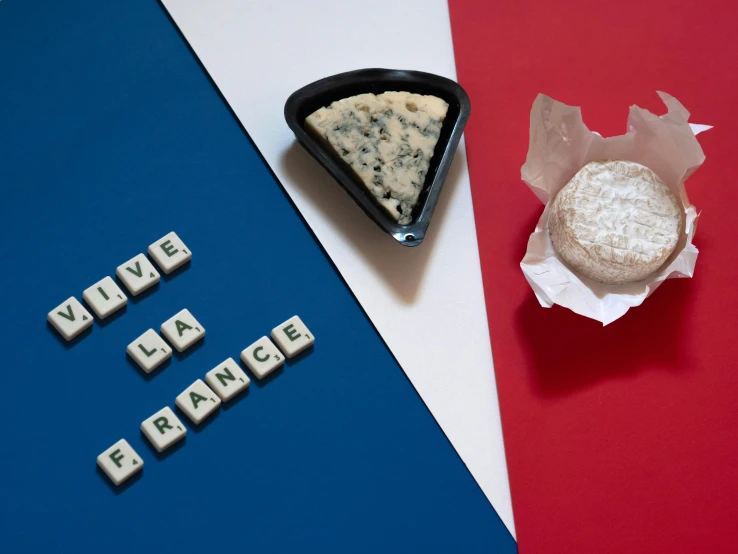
388,140
615,222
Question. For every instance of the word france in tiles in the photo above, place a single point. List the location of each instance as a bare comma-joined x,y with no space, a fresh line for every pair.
202,398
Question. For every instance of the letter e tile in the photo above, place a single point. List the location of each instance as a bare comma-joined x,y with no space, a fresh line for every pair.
169,252
293,337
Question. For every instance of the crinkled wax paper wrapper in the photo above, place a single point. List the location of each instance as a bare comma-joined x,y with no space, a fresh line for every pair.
560,145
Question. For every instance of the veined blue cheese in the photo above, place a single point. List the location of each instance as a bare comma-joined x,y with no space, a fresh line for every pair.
388,140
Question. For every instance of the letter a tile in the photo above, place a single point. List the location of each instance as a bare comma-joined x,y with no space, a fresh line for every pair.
182,330
198,401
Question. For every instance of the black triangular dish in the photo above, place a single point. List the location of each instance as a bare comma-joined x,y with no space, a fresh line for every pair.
322,93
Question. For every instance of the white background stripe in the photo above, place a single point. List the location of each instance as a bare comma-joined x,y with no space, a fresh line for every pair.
426,302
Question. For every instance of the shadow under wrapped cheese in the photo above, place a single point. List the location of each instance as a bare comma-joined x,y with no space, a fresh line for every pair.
566,352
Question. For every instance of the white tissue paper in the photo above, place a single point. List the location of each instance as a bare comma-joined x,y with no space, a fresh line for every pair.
560,145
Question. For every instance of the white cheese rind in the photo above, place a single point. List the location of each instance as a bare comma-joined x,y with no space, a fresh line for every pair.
615,222
388,141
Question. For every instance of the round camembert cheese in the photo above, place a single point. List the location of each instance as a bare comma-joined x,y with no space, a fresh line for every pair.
388,141
615,222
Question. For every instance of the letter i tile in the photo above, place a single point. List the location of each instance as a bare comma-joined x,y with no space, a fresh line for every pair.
105,297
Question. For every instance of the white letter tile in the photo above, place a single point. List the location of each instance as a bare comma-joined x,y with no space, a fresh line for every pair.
198,401
169,252
149,351
105,297
182,330
163,429
292,336
120,462
262,357
227,379
137,274
70,318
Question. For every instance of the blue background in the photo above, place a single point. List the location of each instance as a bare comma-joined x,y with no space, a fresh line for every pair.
111,135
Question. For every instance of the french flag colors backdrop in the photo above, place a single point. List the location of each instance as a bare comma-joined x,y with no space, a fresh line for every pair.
616,439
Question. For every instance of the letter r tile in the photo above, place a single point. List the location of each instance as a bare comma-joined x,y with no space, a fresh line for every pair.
163,429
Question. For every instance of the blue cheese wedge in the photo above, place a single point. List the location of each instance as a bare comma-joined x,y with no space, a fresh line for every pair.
387,140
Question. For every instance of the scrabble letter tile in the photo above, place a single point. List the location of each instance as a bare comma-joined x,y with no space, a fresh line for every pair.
163,429
105,297
120,461
262,357
149,350
198,401
137,274
169,252
292,336
70,318
182,330
227,379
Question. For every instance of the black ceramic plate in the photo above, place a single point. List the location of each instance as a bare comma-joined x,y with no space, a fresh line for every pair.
322,93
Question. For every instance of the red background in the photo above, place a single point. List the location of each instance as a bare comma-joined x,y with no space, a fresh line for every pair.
621,439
